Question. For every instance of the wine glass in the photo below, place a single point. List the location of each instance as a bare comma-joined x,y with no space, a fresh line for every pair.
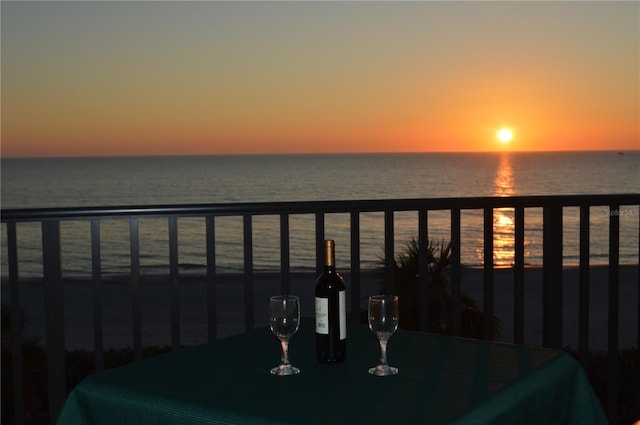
284,320
383,322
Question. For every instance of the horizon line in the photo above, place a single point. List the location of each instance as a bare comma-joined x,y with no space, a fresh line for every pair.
168,155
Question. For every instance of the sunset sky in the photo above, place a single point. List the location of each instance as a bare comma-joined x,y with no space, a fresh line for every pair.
165,78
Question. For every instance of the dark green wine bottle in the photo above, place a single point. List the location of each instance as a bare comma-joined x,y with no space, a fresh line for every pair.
331,311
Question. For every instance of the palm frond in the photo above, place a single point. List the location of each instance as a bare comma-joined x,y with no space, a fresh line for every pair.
406,272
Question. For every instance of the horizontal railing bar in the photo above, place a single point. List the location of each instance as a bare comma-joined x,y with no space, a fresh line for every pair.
311,207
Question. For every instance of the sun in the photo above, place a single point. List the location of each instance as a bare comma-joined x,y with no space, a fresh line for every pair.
505,135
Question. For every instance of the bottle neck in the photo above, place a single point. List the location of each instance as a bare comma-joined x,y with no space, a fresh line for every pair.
329,255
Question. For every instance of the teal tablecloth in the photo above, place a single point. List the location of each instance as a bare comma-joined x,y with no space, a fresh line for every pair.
442,380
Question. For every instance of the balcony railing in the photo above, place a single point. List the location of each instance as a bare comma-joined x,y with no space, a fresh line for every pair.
552,208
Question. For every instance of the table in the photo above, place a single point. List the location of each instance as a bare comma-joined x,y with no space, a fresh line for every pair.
442,380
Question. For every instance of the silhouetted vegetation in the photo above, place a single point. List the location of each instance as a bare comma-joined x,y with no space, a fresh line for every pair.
34,375
439,301
79,364
597,370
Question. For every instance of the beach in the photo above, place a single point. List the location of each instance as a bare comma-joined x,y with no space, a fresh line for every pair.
156,306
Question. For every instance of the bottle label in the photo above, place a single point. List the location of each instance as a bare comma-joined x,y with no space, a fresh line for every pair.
342,303
322,315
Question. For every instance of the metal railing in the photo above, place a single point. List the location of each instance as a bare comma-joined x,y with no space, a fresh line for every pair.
552,267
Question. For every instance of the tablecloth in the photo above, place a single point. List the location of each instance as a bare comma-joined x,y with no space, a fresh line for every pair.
442,380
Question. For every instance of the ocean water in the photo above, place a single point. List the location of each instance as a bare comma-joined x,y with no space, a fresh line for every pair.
60,182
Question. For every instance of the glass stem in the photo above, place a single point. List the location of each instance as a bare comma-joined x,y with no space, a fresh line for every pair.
383,352
285,351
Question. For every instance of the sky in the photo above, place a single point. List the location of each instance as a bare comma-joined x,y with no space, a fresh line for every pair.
88,78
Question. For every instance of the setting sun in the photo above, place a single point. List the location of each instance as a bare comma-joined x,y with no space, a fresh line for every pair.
414,87
505,135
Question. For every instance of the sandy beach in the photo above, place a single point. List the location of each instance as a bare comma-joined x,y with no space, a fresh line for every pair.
156,308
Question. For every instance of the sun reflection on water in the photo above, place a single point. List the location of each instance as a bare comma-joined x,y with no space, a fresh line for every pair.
504,184
503,218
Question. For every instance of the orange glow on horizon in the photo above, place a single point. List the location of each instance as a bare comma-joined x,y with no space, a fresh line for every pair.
134,85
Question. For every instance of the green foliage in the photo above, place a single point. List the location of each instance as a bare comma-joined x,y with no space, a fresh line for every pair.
439,302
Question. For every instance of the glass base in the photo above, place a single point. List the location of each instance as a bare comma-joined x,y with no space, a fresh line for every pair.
284,370
383,370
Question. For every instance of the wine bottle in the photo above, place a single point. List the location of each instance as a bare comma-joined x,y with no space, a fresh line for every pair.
331,315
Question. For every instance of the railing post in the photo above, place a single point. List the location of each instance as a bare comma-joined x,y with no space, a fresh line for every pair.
488,273
319,243
136,301
355,266
456,274
285,268
638,322
614,311
212,308
423,268
583,318
552,276
54,316
248,273
16,323
389,253
96,293
174,278
518,291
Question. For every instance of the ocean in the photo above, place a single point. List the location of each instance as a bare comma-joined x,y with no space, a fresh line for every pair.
74,182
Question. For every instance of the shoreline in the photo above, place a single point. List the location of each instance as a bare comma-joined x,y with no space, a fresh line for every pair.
190,273
156,305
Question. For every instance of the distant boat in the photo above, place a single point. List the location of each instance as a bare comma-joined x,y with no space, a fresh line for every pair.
620,153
